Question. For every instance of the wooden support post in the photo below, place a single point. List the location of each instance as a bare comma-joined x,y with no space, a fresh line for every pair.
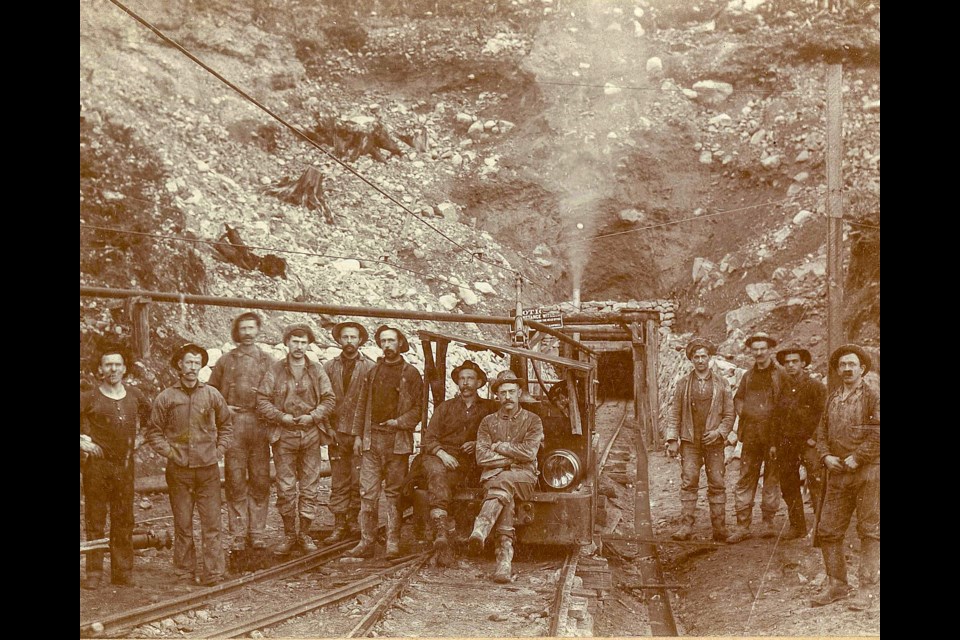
639,367
835,335
652,344
440,385
138,308
429,372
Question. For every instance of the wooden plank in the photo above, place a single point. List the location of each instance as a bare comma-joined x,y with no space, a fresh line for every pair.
516,351
651,345
834,153
428,373
440,370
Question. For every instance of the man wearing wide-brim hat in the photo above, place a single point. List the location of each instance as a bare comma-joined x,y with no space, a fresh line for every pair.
754,403
698,423
192,427
848,441
507,446
795,421
346,373
388,412
448,450
293,400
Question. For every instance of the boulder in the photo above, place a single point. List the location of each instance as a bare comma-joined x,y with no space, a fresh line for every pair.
748,314
712,91
654,65
468,296
803,217
448,301
484,287
701,269
345,266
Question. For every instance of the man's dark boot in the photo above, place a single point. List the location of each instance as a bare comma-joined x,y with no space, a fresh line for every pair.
767,528
340,529
289,536
306,542
92,581
742,529
393,530
718,520
504,570
836,567
368,536
869,589
442,541
688,513
487,517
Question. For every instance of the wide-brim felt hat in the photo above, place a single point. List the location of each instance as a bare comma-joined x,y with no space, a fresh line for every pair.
503,378
189,347
469,364
846,349
700,343
758,336
311,336
404,343
803,353
340,326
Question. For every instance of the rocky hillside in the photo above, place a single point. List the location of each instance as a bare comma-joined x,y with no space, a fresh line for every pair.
637,150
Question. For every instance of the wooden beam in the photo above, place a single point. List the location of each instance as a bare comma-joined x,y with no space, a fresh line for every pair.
651,343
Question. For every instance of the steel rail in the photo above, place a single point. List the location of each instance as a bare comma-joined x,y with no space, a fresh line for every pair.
558,611
386,599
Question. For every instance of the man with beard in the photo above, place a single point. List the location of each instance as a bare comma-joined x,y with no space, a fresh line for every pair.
848,441
346,373
507,446
754,402
449,450
795,421
109,416
698,423
389,411
295,397
247,467
192,426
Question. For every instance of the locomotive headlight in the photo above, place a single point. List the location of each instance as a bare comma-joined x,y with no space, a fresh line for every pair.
561,468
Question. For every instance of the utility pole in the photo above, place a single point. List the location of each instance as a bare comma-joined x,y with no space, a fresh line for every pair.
835,335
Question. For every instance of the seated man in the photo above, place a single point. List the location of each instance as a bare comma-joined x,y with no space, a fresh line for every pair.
448,446
507,445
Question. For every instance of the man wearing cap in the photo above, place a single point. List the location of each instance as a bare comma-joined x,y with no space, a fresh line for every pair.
346,373
848,441
192,426
507,446
109,415
389,412
700,418
795,421
754,402
449,449
237,375
294,399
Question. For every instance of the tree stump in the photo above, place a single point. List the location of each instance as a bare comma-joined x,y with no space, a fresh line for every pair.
306,192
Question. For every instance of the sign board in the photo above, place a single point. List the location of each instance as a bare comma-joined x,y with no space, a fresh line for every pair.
551,318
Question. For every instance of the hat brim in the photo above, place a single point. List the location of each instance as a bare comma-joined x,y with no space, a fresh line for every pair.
472,366
404,343
178,355
335,332
803,353
700,344
311,336
847,349
771,343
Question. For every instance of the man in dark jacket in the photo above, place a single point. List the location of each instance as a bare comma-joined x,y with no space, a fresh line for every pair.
247,466
848,440
754,402
795,421
389,411
192,426
346,373
697,426
294,400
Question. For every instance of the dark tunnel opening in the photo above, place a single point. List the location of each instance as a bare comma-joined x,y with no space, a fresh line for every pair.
615,373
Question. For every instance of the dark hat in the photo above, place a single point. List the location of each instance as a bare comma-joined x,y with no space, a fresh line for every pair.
855,349
469,364
760,335
190,347
803,353
700,343
364,336
311,338
404,345
502,378
247,315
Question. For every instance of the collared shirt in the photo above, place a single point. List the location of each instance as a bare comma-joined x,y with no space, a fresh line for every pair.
111,423
190,426
237,375
281,392
799,408
519,436
851,425
454,423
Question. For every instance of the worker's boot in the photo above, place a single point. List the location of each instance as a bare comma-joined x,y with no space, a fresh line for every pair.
444,535
767,528
368,536
869,589
742,529
504,570
92,581
718,520
340,529
487,517
393,530
836,567
306,542
289,536
688,513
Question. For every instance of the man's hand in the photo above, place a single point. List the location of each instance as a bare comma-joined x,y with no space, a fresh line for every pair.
851,462
357,446
732,438
448,460
773,453
469,447
833,463
711,437
392,423
288,420
90,447
673,448
305,420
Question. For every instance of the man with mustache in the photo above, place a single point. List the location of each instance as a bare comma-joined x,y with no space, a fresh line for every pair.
192,426
295,397
389,412
247,466
109,416
507,446
795,421
848,441
449,450
346,373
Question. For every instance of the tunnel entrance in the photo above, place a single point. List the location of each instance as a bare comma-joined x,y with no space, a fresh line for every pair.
615,374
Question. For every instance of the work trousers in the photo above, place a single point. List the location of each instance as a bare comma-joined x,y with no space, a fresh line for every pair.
107,486
753,457
247,470
296,456
345,478
693,458
380,464
198,487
